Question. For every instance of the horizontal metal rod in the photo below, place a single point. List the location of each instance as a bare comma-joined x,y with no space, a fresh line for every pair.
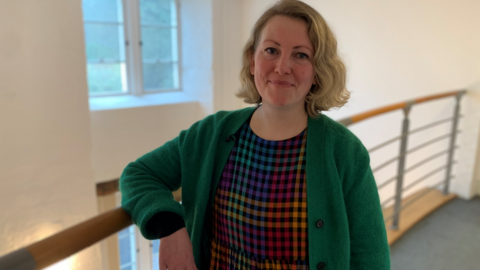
430,125
385,163
412,150
430,142
413,167
387,201
424,177
416,198
414,183
409,133
428,159
387,182
386,143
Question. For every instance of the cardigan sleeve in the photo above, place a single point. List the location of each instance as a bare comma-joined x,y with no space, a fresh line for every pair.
147,184
165,224
368,240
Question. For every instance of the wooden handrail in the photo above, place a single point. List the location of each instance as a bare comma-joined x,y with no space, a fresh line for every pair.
401,105
70,241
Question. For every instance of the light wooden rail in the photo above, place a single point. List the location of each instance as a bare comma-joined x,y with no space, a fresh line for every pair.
401,105
72,240
76,238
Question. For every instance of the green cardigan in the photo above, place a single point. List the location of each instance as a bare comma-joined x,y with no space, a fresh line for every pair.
341,190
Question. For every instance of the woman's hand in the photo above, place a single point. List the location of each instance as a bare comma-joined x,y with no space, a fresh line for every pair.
176,251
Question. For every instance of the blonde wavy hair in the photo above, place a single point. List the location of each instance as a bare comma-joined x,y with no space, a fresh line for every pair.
329,70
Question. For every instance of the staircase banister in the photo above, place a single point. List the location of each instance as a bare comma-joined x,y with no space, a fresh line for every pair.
67,242
378,111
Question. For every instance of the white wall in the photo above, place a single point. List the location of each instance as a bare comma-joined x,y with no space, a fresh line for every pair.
122,136
403,49
227,57
46,174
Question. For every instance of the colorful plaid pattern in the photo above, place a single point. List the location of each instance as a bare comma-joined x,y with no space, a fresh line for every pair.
260,208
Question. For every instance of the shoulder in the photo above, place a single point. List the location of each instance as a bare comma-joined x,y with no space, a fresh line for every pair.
216,123
338,133
223,118
343,143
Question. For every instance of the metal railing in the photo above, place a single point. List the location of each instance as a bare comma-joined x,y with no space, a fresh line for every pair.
72,240
401,158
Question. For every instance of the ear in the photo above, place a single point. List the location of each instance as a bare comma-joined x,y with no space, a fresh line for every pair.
314,80
252,63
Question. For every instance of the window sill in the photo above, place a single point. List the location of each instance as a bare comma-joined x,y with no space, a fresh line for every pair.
130,101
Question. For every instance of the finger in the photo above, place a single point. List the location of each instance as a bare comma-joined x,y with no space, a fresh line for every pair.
162,266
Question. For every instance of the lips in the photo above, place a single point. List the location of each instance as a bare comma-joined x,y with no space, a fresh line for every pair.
281,83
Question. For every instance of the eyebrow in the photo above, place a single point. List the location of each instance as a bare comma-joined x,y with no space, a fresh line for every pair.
296,47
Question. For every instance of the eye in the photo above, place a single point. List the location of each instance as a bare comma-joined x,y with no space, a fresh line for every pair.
271,50
302,55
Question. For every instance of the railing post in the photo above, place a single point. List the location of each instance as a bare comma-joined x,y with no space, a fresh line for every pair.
453,137
401,167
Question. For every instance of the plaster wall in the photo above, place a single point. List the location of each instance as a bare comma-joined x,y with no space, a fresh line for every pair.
399,50
227,53
46,174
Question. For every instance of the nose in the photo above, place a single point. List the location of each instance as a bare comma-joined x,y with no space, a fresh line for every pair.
283,66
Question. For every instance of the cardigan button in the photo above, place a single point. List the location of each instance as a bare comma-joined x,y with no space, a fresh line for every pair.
321,266
230,138
319,223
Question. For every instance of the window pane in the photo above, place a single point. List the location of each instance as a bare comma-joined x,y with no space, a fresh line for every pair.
155,12
124,247
157,44
127,248
155,246
106,78
102,10
157,76
104,42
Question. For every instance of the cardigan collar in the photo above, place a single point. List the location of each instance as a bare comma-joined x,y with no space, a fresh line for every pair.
315,124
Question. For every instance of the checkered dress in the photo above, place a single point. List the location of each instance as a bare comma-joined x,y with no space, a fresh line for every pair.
260,208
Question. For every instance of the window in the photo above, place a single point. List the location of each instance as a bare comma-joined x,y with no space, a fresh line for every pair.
127,248
131,46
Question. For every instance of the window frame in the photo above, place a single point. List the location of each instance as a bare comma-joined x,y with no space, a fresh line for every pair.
133,51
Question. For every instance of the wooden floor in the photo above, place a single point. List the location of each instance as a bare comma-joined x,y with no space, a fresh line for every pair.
415,212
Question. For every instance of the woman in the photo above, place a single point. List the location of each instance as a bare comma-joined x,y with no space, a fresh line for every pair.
275,186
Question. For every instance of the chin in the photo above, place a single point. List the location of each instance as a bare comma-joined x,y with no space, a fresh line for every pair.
280,103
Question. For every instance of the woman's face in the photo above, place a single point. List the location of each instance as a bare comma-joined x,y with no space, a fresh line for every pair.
281,64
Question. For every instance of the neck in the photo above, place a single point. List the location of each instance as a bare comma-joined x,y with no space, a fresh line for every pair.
272,123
